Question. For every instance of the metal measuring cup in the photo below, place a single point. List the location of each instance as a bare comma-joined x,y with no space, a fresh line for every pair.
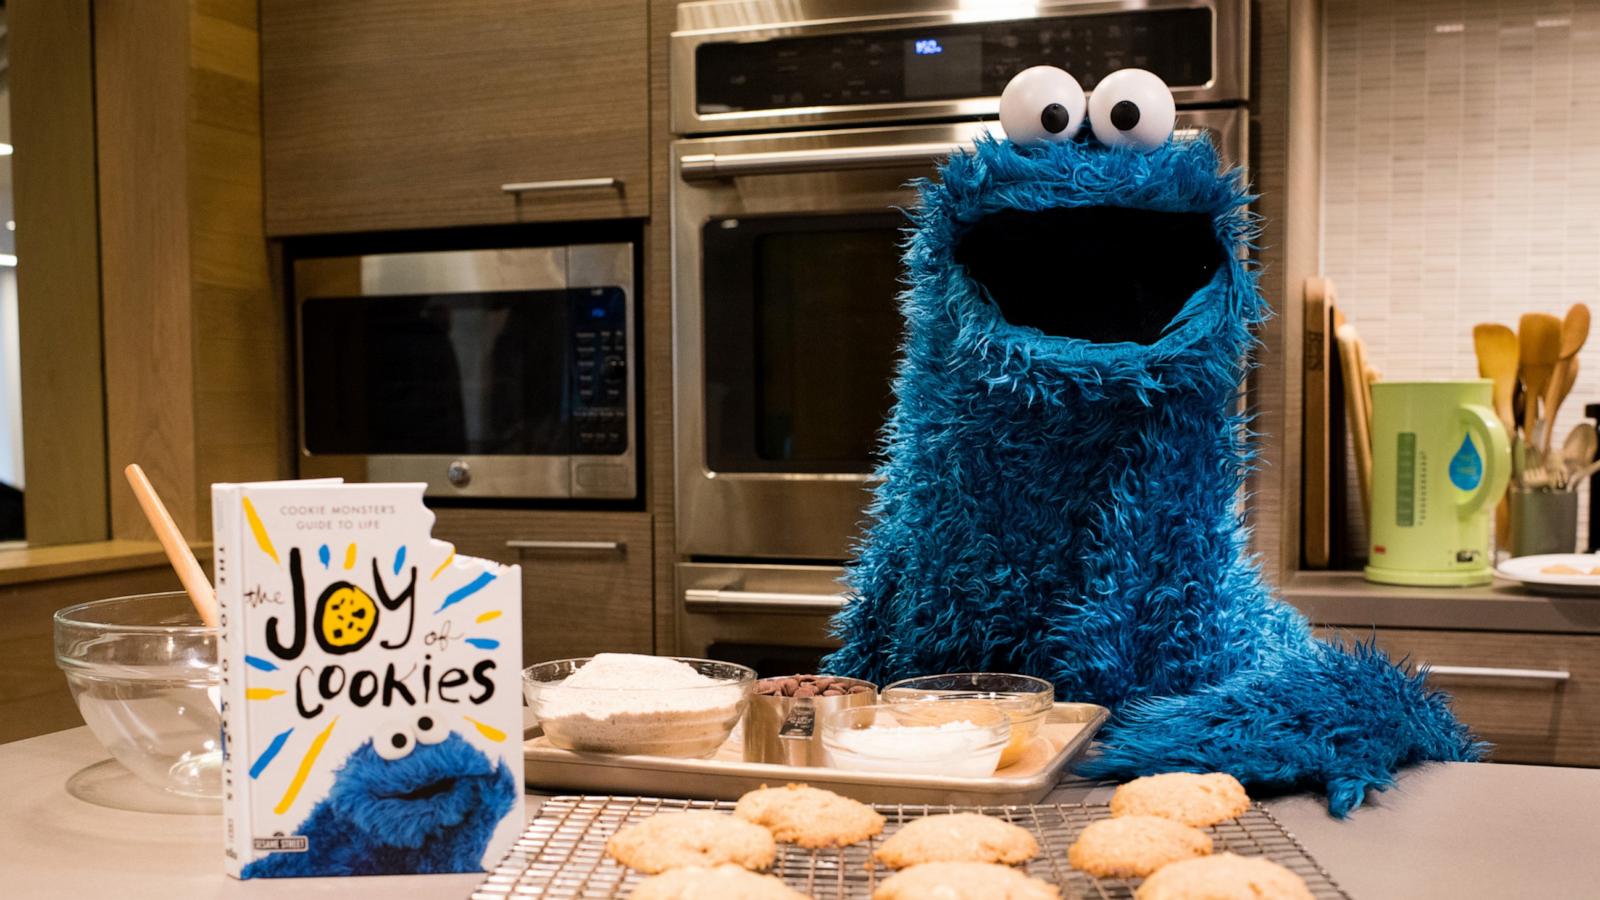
784,730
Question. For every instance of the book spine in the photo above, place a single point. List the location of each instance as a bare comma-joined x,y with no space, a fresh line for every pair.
225,556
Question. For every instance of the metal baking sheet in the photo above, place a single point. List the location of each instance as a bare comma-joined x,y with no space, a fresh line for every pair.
562,855
1068,729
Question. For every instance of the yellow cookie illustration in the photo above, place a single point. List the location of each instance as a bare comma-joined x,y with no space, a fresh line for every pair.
346,616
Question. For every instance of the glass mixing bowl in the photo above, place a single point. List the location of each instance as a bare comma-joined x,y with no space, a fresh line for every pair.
1027,700
654,719
952,740
143,671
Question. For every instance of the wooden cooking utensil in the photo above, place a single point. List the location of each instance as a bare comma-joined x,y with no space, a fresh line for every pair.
1358,404
1578,450
1315,532
1574,332
1539,346
1498,352
183,562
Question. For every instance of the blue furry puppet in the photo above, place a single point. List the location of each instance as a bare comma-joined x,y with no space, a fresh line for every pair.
1064,461
405,804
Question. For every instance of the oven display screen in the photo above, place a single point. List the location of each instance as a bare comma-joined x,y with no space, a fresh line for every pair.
935,65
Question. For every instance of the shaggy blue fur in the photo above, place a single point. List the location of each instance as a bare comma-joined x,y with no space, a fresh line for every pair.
367,826
1067,509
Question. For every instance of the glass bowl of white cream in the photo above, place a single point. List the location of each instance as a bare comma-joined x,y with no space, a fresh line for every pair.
947,739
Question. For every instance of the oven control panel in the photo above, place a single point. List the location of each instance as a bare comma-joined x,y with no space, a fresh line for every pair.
948,62
600,372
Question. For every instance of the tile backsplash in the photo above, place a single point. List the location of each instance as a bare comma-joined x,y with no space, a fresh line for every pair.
1461,175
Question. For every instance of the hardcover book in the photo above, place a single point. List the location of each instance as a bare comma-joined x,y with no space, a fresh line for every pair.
371,705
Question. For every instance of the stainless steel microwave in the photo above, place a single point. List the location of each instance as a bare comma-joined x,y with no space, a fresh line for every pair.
484,373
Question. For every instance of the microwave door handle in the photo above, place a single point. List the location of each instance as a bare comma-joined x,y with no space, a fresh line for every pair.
716,600
707,166
581,546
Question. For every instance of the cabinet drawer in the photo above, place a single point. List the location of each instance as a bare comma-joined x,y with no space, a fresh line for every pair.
586,577
1509,688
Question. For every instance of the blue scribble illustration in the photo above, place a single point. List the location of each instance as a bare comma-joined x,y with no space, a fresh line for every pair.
411,800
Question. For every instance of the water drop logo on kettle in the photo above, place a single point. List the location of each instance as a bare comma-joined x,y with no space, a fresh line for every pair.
1441,460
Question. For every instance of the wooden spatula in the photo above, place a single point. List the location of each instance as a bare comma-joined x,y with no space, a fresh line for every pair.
193,578
1497,350
1574,332
1358,405
1539,346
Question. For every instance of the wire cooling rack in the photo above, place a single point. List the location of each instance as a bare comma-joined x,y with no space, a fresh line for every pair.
562,855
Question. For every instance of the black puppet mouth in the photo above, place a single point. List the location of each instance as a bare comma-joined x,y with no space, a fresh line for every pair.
427,791
1102,274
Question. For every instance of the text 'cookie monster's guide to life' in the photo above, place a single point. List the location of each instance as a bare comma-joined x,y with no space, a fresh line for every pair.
371,702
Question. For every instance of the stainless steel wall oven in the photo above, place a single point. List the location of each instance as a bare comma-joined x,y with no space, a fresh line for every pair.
802,125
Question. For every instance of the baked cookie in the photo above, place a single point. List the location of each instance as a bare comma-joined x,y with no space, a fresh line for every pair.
1197,800
1135,846
725,882
697,837
1224,877
963,881
957,837
808,816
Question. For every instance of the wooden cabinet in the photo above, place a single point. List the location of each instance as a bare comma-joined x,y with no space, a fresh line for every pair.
1509,688
388,114
586,577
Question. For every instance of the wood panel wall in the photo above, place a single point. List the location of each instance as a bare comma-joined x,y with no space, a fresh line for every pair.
1285,168
58,279
195,349
659,472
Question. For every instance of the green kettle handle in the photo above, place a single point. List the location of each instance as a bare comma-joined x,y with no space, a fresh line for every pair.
1496,462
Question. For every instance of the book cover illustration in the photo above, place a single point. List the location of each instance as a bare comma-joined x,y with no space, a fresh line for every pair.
372,716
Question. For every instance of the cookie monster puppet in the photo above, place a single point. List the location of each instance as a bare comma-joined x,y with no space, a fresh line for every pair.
412,800
1065,457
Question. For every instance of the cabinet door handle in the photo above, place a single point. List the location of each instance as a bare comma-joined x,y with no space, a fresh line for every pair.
589,546
564,184
715,600
1497,672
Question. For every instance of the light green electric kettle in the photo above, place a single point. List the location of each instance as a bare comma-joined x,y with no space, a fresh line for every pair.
1440,462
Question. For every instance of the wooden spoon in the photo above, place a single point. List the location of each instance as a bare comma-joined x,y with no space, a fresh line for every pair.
183,562
1539,349
1578,450
1574,332
1497,350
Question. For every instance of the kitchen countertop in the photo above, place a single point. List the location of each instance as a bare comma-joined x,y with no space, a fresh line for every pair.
1345,599
1446,830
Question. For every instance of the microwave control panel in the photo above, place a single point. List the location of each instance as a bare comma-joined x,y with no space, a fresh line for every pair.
949,62
600,371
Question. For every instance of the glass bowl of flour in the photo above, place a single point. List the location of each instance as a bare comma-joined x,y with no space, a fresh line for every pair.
628,703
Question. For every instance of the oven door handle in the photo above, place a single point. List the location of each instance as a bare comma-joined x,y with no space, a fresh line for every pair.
707,166
719,600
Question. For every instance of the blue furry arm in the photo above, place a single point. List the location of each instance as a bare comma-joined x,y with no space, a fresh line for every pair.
1346,719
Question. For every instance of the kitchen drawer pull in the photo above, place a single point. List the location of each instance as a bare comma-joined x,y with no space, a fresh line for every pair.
703,166
711,599
1497,672
595,546
566,184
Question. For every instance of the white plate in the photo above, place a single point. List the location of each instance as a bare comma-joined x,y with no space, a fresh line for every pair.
1530,571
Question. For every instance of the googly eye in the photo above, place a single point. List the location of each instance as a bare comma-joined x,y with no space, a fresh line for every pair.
394,742
430,728
1040,104
1132,108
